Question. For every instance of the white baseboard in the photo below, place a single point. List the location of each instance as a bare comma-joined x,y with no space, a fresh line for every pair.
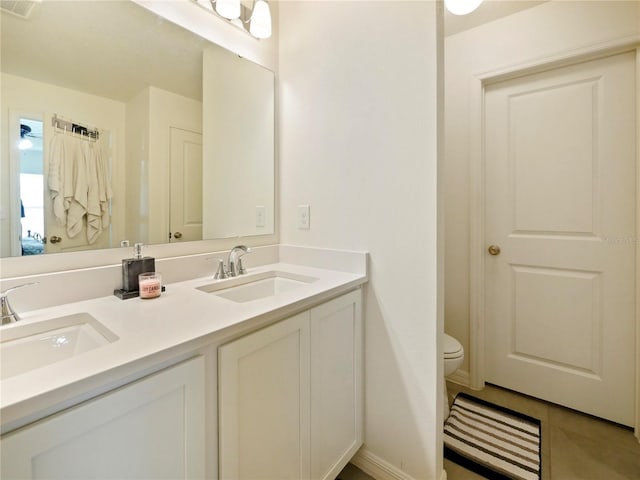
379,469
460,377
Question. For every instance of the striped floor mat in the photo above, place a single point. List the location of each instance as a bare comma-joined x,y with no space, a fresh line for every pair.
493,441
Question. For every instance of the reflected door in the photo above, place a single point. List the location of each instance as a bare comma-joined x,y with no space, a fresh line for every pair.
560,204
185,215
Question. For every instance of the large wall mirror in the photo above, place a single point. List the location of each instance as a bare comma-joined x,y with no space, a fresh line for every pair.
118,125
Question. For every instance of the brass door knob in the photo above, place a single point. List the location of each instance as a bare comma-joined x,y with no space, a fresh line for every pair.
55,239
177,235
494,249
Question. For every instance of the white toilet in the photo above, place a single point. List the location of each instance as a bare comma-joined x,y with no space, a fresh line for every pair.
453,356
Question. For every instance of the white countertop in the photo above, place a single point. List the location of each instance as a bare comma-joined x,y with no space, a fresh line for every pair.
182,317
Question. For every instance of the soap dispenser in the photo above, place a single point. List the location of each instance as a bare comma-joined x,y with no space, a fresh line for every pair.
131,268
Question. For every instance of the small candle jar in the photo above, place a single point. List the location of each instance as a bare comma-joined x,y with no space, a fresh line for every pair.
150,284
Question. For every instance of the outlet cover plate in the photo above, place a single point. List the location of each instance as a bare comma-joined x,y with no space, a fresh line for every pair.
304,222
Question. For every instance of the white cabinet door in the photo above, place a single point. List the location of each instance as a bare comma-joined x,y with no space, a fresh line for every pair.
150,429
290,396
264,403
336,385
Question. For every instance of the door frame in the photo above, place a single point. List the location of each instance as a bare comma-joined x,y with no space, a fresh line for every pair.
477,245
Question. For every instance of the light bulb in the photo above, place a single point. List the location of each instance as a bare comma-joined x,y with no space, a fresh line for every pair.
228,8
260,26
25,144
462,7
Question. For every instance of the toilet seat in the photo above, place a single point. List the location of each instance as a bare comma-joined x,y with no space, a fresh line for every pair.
452,348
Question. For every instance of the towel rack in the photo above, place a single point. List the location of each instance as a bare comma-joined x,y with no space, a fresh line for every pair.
74,127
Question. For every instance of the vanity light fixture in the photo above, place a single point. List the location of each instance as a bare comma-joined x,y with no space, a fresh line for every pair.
238,23
260,26
229,9
239,14
462,7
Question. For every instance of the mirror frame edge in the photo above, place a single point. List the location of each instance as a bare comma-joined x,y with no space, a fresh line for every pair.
16,267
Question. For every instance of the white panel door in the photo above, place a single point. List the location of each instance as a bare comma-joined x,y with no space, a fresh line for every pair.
150,429
185,215
560,185
336,385
263,396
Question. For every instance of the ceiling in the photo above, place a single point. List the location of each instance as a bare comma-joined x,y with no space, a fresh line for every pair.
108,48
488,11
116,48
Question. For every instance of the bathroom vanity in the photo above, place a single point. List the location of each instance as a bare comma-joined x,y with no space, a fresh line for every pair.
257,376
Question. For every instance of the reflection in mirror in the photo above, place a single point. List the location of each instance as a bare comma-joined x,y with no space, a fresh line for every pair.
239,126
31,181
156,170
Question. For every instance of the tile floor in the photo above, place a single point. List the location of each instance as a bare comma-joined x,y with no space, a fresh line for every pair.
351,472
574,446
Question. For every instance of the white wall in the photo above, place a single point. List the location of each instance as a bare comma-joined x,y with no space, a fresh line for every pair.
137,219
41,99
555,28
358,143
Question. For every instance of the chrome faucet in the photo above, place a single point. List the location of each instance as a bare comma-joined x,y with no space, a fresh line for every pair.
7,313
234,261
234,265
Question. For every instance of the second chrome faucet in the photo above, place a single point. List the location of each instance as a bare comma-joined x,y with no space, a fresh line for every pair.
7,314
234,265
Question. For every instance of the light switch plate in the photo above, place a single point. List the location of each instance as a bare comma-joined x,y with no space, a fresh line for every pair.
304,222
261,212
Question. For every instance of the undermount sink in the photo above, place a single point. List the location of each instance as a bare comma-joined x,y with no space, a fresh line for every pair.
34,345
254,287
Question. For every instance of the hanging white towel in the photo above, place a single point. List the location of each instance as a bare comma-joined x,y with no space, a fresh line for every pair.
79,199
69,160
94,212
56,178
104,187
79,185
67,182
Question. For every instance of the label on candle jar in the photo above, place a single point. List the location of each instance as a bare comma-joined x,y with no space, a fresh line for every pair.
150,285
